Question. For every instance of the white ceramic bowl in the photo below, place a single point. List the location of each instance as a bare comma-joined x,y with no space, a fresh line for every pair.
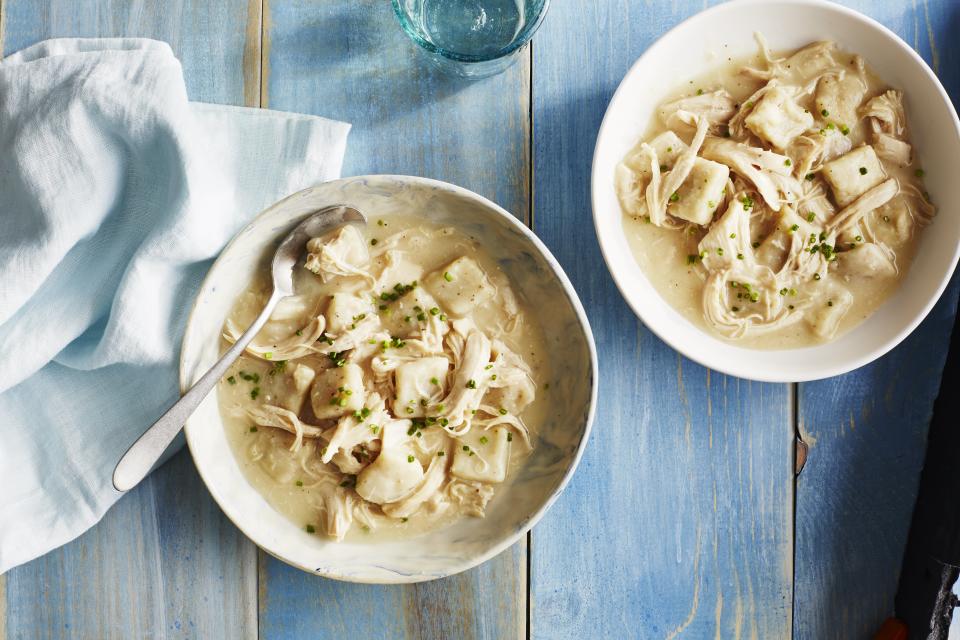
705,40
519,504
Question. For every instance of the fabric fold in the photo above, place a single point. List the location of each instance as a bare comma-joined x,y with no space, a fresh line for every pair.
116,193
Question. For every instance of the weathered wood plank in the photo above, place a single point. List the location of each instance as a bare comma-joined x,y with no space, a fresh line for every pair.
679,521
164,562
350,60
208,37
868,429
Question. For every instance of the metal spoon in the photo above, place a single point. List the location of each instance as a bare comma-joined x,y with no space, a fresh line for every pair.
144,453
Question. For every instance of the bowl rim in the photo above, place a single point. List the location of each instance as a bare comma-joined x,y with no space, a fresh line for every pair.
574,300
607,249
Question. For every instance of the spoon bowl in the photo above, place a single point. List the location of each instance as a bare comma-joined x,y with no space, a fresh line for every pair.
139,459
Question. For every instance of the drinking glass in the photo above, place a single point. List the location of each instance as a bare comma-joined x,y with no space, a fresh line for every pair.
474,38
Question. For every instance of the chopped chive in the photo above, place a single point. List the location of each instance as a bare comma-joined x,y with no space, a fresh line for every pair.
310,528
863,171
253,429
447,276
231,380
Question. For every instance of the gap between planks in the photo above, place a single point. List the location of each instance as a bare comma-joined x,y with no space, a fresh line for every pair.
254,95
532,224
3,25
794,399
254,91
3,607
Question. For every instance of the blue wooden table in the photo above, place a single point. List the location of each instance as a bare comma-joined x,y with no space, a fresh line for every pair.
686,517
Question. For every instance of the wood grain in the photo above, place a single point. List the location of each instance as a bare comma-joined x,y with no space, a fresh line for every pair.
164,562
350,60
679,520
868,429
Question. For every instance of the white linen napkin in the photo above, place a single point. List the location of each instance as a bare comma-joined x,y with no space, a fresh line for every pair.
115,194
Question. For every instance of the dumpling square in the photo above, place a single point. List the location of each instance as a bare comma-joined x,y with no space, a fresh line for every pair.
460,286
853,174
344,311
700,194
778,119
417,384
482,455
338,391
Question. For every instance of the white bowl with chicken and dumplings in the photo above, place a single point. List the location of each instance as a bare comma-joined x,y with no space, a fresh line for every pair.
773,192
418,404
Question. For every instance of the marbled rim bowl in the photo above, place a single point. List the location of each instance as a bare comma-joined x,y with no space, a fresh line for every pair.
526,496
705,40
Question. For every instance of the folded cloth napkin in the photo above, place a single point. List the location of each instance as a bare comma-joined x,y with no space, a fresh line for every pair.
115,194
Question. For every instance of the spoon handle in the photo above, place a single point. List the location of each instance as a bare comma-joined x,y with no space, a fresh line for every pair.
139,459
